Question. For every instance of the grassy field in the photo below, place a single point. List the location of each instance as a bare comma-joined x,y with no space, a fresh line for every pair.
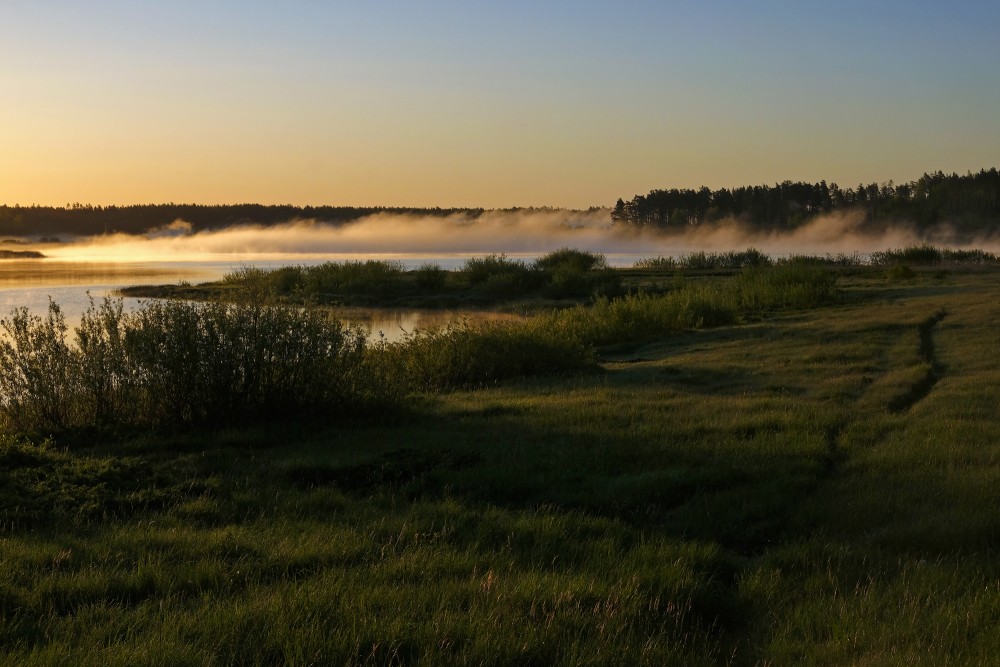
815,486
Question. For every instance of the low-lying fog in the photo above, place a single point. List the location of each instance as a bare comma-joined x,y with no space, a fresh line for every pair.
525,233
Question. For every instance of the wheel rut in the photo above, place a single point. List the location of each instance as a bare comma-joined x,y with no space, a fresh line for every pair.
935,370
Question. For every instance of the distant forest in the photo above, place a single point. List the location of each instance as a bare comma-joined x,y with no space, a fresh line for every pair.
967,204
86,220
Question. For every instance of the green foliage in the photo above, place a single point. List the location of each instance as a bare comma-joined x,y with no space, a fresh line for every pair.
839,259
926,255
478,270
637,317
379,277
657,264
705,261
475,355
323,282
36,370
43,484
430,277
788,286
787,491
922,254
577,273
172,363
497,277
569,258
724,260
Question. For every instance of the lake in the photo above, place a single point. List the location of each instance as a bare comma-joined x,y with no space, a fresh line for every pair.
32,283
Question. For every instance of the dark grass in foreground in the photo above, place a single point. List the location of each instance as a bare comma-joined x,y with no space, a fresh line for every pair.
752,493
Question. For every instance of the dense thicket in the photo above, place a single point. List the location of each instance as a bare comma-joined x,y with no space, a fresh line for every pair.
173,363
969,203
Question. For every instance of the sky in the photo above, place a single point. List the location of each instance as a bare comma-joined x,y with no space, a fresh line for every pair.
491,104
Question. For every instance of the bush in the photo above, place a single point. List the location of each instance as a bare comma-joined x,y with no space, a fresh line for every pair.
378,277
430,277
174,363
579,261
480,269
577,273
37,370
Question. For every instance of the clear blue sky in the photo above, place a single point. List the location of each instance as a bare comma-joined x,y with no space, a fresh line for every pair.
492,104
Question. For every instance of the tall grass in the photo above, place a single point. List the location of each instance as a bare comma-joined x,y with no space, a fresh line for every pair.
474,355
926,254
370,277
754,291
703,261
471,355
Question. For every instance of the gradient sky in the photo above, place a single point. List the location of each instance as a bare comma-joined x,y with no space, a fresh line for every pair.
484,104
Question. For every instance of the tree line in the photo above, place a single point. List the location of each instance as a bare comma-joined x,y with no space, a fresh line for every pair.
968,202
87,220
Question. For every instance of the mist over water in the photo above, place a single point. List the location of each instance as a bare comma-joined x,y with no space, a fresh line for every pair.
76,270
459,236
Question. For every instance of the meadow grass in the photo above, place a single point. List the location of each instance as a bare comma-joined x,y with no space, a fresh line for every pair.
770,490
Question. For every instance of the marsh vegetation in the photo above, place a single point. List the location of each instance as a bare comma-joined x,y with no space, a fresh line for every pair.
784,462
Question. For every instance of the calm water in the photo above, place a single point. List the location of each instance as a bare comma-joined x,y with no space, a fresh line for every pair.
32,283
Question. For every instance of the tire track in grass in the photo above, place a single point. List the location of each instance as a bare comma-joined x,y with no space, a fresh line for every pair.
935,370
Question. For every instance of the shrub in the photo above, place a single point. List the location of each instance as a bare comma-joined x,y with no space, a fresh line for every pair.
174,363
287,280
379,277
576,273
37,370
480,269
567,258
430,277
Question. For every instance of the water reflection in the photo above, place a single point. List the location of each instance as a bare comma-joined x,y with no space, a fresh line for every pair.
394,324
42,272
33,283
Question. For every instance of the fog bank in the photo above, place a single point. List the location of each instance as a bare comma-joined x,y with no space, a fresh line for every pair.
523,233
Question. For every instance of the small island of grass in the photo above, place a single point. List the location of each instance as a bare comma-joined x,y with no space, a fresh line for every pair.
20,254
